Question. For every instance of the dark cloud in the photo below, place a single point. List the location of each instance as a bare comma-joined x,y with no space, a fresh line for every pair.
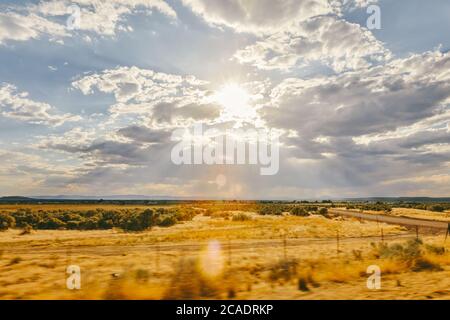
141,134
169,112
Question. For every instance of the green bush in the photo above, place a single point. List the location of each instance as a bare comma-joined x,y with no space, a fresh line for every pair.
299,211
6,221
98,219
436,208
241,217
147,219
271,210
407,252
412,253
167,221
323,212
51,223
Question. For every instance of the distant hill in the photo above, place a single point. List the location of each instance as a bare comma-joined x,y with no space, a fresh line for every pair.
112,197
402,199
167,199
16,199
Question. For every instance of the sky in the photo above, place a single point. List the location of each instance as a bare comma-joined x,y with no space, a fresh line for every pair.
91,93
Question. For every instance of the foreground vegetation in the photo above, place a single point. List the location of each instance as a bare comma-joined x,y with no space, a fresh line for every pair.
143,217
95,219
227,256
215,250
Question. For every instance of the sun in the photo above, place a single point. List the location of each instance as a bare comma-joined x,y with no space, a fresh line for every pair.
234,99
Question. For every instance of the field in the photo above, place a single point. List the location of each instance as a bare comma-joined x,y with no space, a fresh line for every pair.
421,214
215,251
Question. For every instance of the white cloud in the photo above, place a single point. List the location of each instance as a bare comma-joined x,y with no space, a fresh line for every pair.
260,16
14,26
162,98
376,100
16,105
105,18
328,40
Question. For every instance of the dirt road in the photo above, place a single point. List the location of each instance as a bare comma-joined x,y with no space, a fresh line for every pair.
404,221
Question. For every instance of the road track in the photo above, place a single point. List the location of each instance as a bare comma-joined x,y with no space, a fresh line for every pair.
403,221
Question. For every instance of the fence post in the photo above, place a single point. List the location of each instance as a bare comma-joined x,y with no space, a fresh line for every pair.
229,252
448,232
417,232
382,236
337,242
158,249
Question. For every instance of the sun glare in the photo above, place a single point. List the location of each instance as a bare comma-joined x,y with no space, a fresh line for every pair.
234,99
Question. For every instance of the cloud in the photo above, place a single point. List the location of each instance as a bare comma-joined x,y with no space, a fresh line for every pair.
165,113
268,16
141,134
364,127
139,85
329,40
101,153
16,105
259,16
345,5
14,26
103,17
49,18
161,98
28,170
296,33
379,99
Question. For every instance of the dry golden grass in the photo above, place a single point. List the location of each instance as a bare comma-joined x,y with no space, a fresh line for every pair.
421,214
265,257
413,213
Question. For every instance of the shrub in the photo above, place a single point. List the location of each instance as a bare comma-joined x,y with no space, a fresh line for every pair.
435,249
423,264
436,208
299,211
147,219
73,225
303,284
6,221
411,252
271,210
131,220
241,217
189,282
134,222
25,217
51,223
167,221
407,252
323,211
283,270
90,223
186,214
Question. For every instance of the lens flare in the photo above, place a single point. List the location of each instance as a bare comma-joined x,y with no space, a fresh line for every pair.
211,260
